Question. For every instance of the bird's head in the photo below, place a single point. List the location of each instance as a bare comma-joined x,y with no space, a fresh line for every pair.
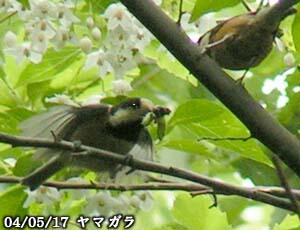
134,110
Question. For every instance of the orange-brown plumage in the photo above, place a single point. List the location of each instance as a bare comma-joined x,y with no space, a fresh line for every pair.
243,41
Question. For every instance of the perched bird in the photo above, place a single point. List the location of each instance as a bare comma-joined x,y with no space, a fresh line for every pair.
119,129
244,41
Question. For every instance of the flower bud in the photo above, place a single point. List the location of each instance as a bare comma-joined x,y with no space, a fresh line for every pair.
90,22
85,44
96,33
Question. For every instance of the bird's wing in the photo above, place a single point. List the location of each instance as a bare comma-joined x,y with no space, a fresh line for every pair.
55,120
60,121
42,124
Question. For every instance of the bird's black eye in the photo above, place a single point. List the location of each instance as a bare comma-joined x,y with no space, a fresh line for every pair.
134,105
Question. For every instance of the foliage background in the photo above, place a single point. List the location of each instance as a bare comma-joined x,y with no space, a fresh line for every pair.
29,86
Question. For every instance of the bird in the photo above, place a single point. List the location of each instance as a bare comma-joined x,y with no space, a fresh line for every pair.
119,128
244,41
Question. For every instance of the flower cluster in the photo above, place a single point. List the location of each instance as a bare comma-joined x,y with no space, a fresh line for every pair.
51,24
95,202
45,22
122,48
104,203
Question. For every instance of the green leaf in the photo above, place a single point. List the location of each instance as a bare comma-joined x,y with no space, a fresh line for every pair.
296,31
289,223
168,62
260,174
190,146
200,118
25,164
54,62
247,149
11,202
97,6
195,110
8,152
194,213
114,100
10,119
153,80
201,7
6,96
171,226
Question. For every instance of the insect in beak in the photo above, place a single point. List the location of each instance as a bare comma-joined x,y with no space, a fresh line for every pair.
157,115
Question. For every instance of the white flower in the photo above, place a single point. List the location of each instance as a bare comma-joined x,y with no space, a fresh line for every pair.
121,87
78,193
39,42
39,32
289,59
142,200
121,60
45,195
103,203
282,101
43,9
61,37
98,59
60,99
95,99
24,51
37,25
279,83
10,39
65,15
158,2
117,39
279,44
118,16
9,6
138,40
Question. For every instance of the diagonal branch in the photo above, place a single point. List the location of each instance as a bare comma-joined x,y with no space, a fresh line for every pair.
260,123
216,185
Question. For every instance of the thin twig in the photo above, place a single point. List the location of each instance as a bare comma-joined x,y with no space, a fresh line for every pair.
8,16
285,184
180,12
245,4
224,138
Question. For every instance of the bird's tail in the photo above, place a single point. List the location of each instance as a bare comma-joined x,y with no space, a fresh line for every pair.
41,174
270,17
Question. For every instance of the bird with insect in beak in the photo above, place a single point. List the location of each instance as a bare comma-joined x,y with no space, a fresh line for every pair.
244,41
120,129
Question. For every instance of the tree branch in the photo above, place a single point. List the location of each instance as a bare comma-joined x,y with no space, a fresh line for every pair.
216,185
154,186
260,123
